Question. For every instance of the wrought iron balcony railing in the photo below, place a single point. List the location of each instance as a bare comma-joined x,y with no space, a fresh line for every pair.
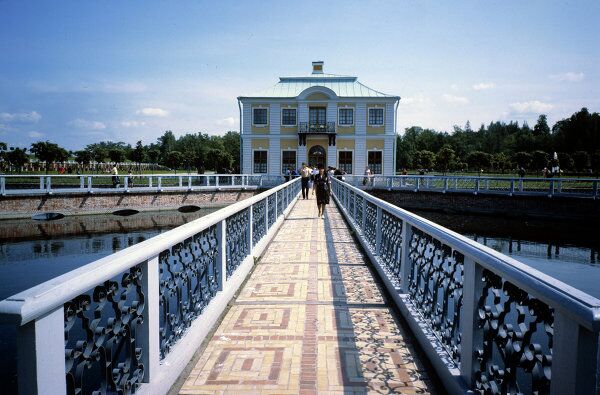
324,128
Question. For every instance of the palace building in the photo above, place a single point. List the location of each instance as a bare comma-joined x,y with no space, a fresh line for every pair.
318,118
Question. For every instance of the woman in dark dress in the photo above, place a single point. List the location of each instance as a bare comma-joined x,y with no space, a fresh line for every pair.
322,188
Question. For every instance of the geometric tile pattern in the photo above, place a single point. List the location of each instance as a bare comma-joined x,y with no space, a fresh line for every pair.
312,318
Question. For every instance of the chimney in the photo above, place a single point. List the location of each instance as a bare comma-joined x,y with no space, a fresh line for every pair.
317,67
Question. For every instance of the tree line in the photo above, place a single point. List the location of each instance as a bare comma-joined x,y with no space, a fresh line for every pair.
501,147
192,151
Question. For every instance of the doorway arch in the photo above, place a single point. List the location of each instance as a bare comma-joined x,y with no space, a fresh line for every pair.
317,155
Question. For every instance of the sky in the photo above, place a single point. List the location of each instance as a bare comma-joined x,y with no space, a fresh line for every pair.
78,72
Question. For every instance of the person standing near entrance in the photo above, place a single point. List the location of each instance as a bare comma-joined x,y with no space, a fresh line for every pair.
322,188
305,173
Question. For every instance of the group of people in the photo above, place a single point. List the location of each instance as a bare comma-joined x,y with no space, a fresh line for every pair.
319,181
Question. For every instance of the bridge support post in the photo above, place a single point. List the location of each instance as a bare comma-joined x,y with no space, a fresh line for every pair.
574,357
404,257
377,231
250,220
41,355
48,184
189,183
222,255
149,335
81,182
471,335
41,183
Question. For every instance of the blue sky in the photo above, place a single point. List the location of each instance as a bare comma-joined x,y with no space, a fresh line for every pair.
77,72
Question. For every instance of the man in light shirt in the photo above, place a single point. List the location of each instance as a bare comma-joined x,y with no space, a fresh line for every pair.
305,173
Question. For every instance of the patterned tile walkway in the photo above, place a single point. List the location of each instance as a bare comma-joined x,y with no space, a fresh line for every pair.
311,319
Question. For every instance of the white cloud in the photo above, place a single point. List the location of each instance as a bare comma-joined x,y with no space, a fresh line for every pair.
530,107
484,85
85,124
132,124
229,122
153,112
454,87
34,134
455,99
568,76
28,117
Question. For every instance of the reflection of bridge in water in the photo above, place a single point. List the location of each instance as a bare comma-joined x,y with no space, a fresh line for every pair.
530,249
317,313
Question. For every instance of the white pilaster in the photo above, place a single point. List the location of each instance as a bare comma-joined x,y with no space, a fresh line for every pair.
360,154
246,154
302,155
274,159
332,156
361,119
388,156
275,121
389,118
302,112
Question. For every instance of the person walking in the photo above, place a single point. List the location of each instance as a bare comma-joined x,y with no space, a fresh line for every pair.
305,173
322,188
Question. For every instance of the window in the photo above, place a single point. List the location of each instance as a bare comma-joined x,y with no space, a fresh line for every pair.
375,116
288,161
345,161
288,117
260,161
346,116
317,115
259,116
375,162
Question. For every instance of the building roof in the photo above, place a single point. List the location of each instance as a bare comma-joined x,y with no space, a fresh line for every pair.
343,86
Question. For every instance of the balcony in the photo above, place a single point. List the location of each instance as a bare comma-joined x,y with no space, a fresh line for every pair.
319,128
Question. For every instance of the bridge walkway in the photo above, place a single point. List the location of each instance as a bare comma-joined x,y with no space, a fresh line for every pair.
312,318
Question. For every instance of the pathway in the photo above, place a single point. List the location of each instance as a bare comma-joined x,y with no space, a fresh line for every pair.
311,318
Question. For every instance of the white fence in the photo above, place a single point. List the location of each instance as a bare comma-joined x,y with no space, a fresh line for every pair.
486,321
24,185
576,187
133,320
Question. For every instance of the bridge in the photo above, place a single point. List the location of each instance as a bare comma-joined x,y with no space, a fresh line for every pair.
263,297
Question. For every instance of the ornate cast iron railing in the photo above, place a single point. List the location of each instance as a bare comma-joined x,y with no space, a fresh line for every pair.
20,185
575,187
487,322
106,326
318,128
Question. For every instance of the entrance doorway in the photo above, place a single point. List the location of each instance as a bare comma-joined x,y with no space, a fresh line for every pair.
316,155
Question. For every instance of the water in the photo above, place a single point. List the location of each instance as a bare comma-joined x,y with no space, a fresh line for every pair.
567,251
32,252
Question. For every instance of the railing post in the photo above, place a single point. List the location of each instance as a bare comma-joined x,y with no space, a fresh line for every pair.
476,186
150,182
559,187
364,216
417,183
207,181
180,182
81,183
250,230
222,255
126,182
49,184
41,183
41,355
378,231
595,189
472,336
574,357
551,188
521,185
3,186
512,187
354,205
266,215
189,183
217,181
89,186
445,184
404,266
149,335
159,183
276,207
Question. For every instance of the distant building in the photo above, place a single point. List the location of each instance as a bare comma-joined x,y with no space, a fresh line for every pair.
319,118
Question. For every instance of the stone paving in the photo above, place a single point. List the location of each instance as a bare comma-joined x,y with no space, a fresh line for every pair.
310,319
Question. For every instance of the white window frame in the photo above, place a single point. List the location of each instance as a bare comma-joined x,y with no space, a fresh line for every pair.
281,158
261,125
290,125
369,118
353,159
347,125
253,153
382,161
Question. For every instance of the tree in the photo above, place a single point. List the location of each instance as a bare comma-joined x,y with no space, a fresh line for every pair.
166,144
48,152
116,155
478,160
17,158
501,161
138,154
522,159
541,127
539,160
153,155
425,159
219,160
596,161
581,160
565,161
174,160
444,159
83,157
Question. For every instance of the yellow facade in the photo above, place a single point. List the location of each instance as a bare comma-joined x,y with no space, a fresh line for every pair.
375,129
260,143
318,96
289,144
375,144
345,144
263,129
